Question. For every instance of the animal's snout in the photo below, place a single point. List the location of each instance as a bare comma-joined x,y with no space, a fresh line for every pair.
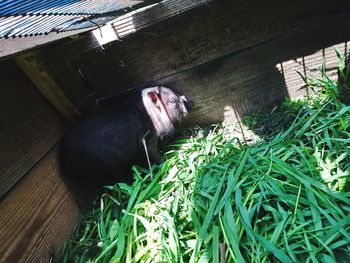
188,105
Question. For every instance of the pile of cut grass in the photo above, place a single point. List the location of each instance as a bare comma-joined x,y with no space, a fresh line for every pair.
215,200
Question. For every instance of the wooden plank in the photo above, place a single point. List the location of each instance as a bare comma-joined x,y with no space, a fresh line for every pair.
310,65
184,51
207,32
222,72
193,38
14,46
29,127
252,79
38,215
61,85
36,71
140,19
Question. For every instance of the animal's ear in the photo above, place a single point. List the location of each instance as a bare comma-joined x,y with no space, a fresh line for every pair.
153,96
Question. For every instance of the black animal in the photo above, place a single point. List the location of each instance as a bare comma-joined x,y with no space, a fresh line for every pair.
101,149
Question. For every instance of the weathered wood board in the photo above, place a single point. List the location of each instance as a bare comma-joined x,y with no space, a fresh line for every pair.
33,67
226,55
197,37
59,83
29,126
139,19
253,79
38,215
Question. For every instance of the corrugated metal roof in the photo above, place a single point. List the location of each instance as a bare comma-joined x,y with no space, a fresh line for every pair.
35,17
63,7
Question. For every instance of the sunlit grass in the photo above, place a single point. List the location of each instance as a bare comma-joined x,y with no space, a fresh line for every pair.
281,199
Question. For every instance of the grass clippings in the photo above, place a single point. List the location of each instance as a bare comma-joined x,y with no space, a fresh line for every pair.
282,199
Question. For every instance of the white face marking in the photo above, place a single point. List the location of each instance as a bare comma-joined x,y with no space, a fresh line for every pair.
164,108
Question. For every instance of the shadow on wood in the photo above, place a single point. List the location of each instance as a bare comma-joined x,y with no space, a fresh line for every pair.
223,56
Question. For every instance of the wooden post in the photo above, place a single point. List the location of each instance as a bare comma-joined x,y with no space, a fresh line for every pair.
34,69
57,81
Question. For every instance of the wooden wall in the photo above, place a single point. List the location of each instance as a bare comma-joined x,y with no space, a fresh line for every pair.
37,211
225,54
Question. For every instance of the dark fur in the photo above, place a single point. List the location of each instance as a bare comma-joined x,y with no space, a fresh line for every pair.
101,149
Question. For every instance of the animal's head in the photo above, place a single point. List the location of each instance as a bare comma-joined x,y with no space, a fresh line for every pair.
165,108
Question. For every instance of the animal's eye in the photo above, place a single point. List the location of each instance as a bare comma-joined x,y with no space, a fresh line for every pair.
173,100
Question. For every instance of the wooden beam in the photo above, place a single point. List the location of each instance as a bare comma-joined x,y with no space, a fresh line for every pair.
35,69
187,50
30,127
186,41
261,77
14,46
59,83
142,18
256,76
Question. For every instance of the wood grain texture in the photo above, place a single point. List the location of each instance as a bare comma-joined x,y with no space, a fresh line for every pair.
253,80
194,38
29,126
141,18
38,73
59,83
222,79
38,215
224,55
